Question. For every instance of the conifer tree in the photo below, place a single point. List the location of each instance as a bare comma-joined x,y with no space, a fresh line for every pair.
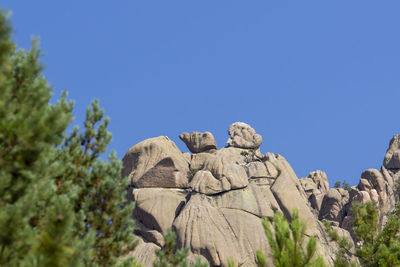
378,247
61,205
287,243
100,195
375,247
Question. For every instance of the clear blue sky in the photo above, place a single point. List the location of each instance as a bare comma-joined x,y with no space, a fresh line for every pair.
319,80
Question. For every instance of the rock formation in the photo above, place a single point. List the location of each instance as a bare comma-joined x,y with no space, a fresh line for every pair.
199,142
215,199
243,136
376,185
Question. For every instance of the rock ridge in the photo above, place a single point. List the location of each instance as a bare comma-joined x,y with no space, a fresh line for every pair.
214,199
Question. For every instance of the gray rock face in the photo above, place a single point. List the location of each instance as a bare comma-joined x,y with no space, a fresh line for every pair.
215,199
145,253
157,208
257,169
315,185
332,205
219,233
199,142
392,157
204,182
243,136
218,174
156,162
290,196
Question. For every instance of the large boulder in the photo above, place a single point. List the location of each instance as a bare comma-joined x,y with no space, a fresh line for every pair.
375,179
281,165
204,182
252,199
219,234
267,203
199,142
198,160
156,162
257,169
392,157
243,136
289,197
320,179
315,185
148,235
218,174
333,204
157,208
271,170
144,253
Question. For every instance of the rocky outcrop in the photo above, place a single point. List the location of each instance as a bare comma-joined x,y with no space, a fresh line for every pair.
214,200
243,136
333,204
199,142
315,185
156,162
392,157
156,208
144,253
374,185
220,232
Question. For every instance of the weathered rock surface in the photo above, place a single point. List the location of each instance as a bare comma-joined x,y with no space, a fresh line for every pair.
220,233
332,205
199,142
148,235
243,136
257,169
315,185
204,182
392,157
218,174
157,208
144,253
288,193
156,162
252,199
215,199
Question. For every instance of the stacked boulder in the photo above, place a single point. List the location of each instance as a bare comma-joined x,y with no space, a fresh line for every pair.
215,199
315,185
334,205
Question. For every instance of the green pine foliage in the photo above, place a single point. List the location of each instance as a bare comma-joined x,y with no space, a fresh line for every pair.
343,185
375,247
231,263
61,205
379,247
345,247
169,256
337,184
365,226
100,195
287,243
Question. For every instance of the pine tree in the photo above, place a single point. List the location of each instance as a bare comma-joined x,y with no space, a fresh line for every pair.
61,205
100,195
378,247
343,185
375,247
287,243
337,184
30,131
